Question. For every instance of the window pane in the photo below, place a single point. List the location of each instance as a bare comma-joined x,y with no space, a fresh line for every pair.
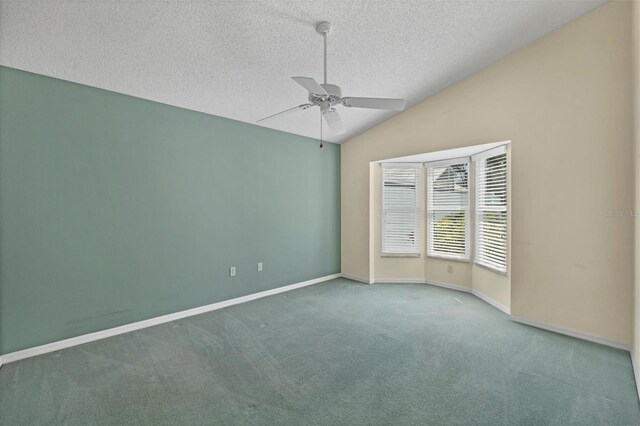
447,210
400,210
491,233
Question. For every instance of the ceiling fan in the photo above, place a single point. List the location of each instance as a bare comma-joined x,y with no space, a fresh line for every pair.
327,96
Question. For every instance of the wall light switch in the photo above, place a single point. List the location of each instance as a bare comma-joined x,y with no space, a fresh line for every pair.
232,271
259,266
450,269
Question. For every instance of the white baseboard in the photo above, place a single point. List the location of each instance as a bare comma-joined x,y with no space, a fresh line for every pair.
573,333
636,372
354,278
418,281
456,287
492,302
398,281
103,334
450,286
476,293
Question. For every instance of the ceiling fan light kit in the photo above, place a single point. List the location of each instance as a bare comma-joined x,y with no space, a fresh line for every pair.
328,96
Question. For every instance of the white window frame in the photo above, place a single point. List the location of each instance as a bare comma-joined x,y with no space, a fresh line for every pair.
387,250
479,259
431,251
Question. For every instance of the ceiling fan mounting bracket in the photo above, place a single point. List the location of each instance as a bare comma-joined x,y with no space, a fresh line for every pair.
324,28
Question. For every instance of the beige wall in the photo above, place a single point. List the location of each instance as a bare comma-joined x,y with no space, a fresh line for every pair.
564,102
448,272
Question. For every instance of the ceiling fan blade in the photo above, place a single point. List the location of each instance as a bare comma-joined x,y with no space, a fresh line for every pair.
310,84
334,121
375,103
286,112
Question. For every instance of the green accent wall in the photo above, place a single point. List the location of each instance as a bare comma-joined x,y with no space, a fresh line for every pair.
115,209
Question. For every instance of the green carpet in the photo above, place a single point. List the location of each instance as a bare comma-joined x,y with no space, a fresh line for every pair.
333,353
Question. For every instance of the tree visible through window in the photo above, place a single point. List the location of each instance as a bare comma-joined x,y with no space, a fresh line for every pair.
448,209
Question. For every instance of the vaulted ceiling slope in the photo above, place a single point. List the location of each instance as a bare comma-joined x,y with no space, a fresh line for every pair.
235,58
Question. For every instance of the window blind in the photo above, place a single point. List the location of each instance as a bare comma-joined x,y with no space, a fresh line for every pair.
448,209
400,209
491,210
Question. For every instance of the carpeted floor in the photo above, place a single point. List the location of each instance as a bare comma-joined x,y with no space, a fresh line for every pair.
333,353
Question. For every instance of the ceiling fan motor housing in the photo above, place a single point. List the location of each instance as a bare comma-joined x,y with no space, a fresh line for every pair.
333,97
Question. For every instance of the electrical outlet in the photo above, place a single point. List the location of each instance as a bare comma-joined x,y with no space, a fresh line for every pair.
259,266
450,269
232,271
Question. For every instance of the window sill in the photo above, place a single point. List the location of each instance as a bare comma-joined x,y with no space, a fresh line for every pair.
449,259
400,255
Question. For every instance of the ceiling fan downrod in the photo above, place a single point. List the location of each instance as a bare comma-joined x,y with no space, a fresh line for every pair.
324,29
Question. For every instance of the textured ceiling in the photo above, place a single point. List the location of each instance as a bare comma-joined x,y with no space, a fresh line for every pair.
234,58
